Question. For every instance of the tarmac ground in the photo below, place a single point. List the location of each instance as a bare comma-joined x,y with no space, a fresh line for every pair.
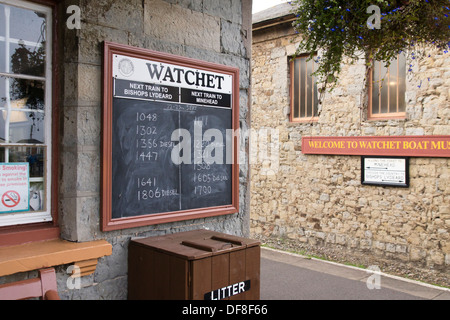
287,276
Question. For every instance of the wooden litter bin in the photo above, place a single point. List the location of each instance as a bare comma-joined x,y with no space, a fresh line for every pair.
194,265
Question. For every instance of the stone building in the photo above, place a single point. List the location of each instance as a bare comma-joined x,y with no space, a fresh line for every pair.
63,43
317,202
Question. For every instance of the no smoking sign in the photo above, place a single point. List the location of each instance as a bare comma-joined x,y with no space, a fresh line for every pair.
14,187
10,199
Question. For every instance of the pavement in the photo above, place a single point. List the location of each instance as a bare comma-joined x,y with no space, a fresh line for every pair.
288,276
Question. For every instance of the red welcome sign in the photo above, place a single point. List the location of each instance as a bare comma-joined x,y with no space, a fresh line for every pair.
404,146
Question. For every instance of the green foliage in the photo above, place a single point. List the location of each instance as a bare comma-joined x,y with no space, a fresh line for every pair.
339,29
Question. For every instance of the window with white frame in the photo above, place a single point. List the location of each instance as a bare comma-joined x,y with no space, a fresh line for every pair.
25,112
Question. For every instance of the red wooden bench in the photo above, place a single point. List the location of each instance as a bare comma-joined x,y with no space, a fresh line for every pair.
43,287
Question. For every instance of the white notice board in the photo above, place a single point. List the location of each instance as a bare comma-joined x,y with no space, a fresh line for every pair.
391,171
14,187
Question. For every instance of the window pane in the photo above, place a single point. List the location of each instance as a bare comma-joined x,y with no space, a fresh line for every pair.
37,196
2,38
315,92
376,89
34,28
384,90
296,88
393,86
24,127
2,55
31,93
401,82
309,88
25,48
316,98
26,118
27,60
302,87
33,155
2,20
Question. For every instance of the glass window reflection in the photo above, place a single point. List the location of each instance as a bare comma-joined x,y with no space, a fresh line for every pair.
22,41
27,60
35,156
2,21
27,25
25,122
25,94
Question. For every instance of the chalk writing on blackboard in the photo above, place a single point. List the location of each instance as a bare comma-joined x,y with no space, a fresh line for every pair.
171,147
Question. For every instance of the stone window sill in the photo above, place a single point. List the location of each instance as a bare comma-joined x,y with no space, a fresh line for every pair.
37,255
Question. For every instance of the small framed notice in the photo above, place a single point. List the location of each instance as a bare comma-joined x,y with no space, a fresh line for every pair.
385,171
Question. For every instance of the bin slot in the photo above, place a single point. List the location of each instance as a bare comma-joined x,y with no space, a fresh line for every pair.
225,239
205,247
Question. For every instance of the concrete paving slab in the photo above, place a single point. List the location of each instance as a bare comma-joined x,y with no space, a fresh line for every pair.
288,276
412,287
314,264
443,296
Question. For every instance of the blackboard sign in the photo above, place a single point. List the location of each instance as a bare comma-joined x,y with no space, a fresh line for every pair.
170,142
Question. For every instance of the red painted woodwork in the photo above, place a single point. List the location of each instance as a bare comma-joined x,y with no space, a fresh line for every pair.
43,287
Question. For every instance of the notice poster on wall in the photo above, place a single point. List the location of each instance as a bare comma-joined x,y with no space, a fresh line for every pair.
14,187
385,171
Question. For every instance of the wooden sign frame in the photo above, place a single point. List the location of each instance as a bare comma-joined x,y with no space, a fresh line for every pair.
109,223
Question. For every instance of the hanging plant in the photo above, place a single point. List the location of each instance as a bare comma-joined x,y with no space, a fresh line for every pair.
378,29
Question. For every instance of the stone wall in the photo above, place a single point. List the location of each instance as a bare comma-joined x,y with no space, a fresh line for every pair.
316,201
216,31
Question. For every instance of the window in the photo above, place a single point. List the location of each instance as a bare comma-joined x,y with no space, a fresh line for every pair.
304,97
25,112
387,92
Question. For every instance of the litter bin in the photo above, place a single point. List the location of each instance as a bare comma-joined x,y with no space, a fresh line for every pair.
194,265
